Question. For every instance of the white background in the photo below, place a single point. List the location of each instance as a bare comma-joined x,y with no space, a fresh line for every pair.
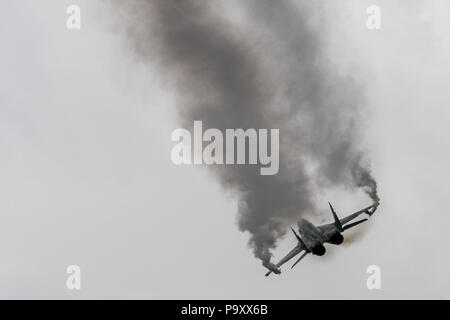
86,176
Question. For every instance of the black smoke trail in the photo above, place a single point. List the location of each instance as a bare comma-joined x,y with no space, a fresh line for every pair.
283,81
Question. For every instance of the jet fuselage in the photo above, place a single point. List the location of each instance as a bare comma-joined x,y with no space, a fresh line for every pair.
312,237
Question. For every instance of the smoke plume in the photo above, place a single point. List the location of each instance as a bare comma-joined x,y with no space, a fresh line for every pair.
273,74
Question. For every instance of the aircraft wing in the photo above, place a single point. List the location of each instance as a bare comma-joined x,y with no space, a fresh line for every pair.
369,210
299,248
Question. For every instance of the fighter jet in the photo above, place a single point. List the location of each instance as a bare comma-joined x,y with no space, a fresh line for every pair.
312,238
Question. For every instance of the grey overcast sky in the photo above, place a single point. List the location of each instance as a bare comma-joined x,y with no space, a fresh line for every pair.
86,177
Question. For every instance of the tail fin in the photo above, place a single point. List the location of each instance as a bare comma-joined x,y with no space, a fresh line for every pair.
337,222
299,239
